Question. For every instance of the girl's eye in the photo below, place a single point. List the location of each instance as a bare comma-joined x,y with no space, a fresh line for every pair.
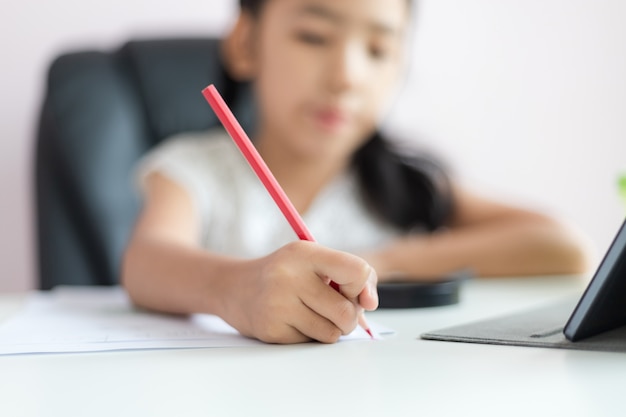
378,53
312,38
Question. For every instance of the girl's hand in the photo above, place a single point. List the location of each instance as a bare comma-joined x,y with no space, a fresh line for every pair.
285,297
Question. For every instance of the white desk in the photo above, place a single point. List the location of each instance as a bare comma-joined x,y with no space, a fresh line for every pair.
401,376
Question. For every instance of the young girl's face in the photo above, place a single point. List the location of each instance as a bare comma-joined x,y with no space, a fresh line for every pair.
324,69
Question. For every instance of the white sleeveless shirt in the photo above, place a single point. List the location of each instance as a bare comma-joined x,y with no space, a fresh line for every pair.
239,218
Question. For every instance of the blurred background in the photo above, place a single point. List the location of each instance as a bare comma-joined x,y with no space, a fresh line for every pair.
523,99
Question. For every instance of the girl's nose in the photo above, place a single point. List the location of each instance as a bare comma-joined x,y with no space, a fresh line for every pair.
348,69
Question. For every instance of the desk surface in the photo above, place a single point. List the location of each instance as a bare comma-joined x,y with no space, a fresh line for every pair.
400,376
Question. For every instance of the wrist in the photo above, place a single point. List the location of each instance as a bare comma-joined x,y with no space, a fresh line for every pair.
228,286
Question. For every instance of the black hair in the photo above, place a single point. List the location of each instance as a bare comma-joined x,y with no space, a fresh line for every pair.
253,6
407,190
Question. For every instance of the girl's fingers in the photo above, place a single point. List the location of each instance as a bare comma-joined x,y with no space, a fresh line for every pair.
349,271
368,298
302,325
286,335
313,325
330,304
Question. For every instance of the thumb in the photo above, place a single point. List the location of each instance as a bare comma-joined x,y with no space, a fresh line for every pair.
368,298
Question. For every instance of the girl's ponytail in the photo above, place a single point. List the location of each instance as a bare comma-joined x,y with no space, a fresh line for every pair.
406,191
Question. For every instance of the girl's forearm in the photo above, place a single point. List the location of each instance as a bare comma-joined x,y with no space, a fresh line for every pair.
176,278
504,248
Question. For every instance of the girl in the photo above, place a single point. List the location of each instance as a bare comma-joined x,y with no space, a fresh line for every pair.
210,240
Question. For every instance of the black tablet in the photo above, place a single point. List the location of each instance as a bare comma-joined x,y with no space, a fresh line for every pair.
603,304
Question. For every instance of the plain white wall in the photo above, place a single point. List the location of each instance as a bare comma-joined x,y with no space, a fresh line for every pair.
524,99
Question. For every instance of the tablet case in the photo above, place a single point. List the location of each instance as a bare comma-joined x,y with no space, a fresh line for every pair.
541,327
598,320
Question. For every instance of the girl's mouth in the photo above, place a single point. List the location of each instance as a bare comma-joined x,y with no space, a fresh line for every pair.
331,119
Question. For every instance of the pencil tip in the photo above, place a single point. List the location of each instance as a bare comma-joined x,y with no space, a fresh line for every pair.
370,333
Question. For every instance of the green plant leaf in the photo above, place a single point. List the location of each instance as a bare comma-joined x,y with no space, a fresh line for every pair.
621,183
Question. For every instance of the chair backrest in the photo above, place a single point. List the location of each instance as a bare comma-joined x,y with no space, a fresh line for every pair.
102,111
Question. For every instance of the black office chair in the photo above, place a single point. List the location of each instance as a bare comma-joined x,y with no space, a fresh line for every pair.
102,112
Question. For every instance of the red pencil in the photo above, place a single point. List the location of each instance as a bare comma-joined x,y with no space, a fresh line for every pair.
260,168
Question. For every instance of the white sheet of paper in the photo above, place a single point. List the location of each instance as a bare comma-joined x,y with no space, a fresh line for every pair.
91,319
